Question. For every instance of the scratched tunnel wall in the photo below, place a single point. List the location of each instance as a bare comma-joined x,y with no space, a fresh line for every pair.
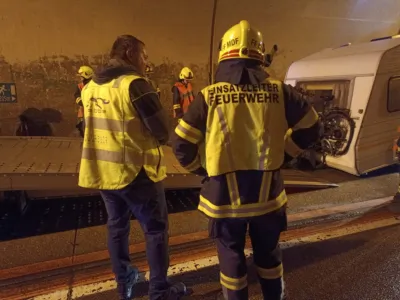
44,42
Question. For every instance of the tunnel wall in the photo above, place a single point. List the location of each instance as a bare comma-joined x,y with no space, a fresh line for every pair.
44,41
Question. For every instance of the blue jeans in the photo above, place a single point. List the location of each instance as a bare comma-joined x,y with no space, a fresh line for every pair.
146,201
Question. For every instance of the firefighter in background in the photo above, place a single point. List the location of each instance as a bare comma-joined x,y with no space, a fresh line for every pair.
85,73
244,120
125,163
182,93
149,71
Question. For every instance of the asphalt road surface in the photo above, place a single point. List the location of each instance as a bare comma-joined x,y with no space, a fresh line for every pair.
362,266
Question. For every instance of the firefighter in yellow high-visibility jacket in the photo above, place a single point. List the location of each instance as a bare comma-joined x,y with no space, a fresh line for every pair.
238,133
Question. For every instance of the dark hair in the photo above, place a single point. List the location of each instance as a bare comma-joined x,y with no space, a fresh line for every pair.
122,44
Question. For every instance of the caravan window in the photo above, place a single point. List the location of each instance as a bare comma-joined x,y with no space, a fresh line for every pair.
393,97
318,91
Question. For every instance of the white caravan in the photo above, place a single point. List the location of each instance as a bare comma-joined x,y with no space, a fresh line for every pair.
356,88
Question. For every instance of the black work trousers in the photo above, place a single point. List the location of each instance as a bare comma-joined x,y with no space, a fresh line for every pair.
146,201
230,236
81,127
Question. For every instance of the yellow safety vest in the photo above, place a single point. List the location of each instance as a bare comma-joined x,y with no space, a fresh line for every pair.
116,145
246,130
246,126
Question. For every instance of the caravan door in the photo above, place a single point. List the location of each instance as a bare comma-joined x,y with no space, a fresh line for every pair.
341,104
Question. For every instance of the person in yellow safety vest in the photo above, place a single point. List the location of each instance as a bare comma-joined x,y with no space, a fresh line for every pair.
85,73
182,93
122,157
234,134
149,71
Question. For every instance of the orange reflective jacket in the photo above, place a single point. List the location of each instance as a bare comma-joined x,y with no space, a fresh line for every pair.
186,93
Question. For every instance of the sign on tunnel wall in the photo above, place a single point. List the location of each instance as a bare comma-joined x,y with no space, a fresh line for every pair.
45,72
8,93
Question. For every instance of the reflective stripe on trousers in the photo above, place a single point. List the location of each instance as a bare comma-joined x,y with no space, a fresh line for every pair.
242,211
264,231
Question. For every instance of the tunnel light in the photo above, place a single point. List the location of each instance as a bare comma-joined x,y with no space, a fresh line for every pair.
386,38
382,38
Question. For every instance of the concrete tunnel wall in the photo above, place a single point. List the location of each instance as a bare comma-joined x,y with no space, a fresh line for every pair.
44,42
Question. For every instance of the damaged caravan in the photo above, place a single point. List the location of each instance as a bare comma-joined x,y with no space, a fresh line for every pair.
356,91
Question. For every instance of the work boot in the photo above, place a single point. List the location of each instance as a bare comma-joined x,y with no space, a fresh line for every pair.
177,291
221,296
126,291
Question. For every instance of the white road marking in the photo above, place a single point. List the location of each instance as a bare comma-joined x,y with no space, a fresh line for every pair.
94,288
190,266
